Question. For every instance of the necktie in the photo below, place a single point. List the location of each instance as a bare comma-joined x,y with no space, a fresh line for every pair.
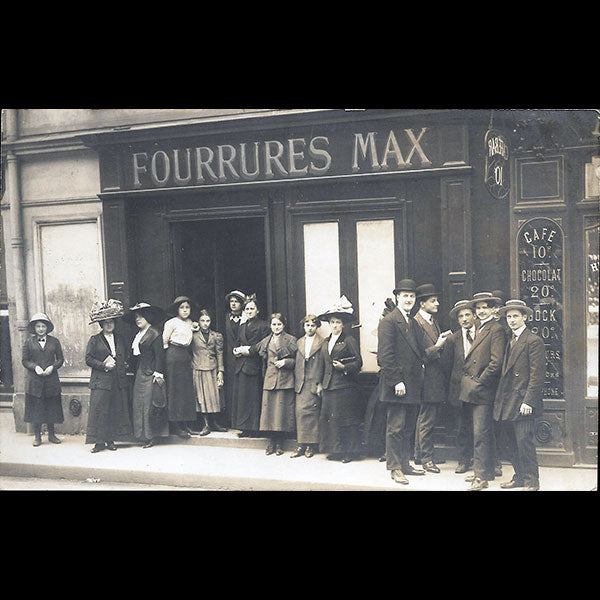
469,337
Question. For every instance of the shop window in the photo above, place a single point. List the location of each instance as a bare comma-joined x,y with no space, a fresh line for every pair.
321,267
591,244
376,272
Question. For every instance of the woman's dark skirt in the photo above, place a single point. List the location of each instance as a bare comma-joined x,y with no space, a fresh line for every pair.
148,423
108,418
308,407
278,411
43,409
246,402
339,423
181,395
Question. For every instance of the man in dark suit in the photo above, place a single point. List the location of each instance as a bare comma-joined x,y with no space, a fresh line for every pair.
434,384
519,397
481,373
233,318
400,356
455,350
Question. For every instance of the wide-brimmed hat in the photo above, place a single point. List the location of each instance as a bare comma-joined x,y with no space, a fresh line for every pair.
237,294
152,314
499,294
459,306
426,290
515,305
405,285
342,309
101,311
485,297
40,317
174,306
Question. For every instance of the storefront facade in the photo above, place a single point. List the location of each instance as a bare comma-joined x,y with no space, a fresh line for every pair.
301,207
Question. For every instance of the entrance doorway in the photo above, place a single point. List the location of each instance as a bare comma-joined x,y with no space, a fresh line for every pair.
214,256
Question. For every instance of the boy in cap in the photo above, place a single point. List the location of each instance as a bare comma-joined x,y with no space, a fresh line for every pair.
519,398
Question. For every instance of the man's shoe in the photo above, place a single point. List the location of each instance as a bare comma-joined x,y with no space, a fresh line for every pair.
431,467
53,439
97,448
278,449
478,484
398,476
346,459
309,453
299,451
461,468
270,448
513,483
148,444
111,446
412,471
37,440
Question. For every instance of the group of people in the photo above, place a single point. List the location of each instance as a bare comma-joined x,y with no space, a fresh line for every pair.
261,380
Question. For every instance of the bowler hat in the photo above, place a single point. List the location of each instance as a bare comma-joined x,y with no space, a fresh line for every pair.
40,317
152,314
515,305
405,285
426,290
485,297
174,306
101,311
459,306
236,294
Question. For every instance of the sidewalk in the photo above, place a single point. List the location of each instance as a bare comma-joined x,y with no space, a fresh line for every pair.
221,461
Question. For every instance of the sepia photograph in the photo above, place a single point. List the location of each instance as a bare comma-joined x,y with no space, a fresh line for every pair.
299,299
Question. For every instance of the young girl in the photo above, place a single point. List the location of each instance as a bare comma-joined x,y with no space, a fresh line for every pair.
277,416
207,363
309,365
177,338
42,357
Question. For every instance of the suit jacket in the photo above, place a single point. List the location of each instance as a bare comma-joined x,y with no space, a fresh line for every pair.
207,355
274,378
434,384
522,379
95,354
308,368
231,337
401,358
251,332
345,347
483,364
152,353
32,355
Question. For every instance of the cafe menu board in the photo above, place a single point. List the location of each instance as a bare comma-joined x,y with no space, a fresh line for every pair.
540,243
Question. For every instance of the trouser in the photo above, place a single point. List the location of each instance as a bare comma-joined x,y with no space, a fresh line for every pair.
424,445
521,448
480,416
401,422
464,434
497,447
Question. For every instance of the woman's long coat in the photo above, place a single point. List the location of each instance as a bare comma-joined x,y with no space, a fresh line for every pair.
108,417
34,355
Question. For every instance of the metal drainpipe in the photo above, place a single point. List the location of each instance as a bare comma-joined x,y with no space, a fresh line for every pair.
17,246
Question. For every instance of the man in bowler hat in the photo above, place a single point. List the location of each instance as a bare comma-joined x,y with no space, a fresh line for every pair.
434,384
519,398
400,356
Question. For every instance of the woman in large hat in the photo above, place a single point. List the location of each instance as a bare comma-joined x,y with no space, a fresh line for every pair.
248,378
342,408
106,354
177,339
42,356
148,357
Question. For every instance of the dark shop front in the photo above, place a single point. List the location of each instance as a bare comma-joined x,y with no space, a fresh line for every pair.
303,208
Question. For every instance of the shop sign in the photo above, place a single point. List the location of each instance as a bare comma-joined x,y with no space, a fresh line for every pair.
303,153
496,164
541,276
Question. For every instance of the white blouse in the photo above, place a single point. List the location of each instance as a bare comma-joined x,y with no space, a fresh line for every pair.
178,331
135,345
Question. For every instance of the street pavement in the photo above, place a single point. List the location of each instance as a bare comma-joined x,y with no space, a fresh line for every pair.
221,462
